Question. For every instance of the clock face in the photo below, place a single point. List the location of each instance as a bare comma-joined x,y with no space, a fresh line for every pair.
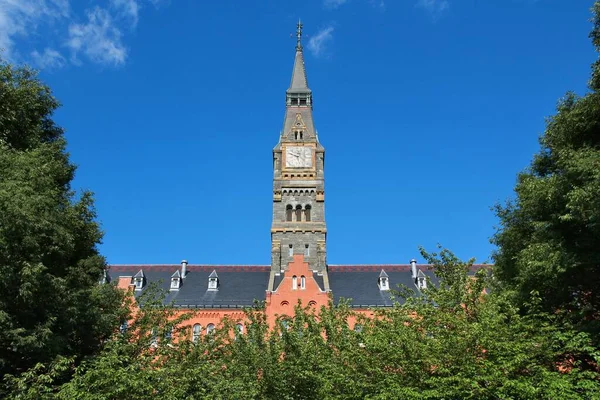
298,157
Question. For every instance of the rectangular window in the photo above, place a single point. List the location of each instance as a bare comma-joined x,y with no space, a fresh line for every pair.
291,253
306,250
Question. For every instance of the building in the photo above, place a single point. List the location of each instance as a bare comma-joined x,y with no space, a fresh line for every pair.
299,270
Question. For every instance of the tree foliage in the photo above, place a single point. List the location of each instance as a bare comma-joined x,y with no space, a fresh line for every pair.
50,302
452,342
549,235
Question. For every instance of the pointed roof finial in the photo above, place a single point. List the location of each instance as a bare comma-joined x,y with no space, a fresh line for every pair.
299,35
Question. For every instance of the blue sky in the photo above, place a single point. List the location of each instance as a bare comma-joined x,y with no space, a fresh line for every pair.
427,109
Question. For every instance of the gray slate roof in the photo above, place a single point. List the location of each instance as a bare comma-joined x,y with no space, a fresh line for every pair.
299,83
358,283
239,286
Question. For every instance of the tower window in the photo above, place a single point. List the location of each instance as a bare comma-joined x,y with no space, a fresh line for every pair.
306,250
294,102
298,213
291,251
296,135
289,210
302,102
301,134
307,213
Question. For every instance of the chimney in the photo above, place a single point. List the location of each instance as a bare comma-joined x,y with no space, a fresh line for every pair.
183,268
413,268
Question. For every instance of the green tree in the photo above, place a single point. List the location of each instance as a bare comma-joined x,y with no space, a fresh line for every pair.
549,235
452,342
50,301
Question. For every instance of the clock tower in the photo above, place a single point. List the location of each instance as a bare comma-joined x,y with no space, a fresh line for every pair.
298,181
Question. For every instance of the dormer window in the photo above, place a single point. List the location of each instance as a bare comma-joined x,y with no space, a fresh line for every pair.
139,280
213,281
176,280
421,280
383,281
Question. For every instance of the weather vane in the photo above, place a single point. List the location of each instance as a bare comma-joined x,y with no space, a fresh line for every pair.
298,35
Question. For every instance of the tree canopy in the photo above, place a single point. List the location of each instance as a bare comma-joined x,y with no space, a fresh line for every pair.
50,301
549,235
451,342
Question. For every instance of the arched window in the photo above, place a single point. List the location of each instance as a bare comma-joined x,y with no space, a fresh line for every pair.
289,210
298,213
294,282
239,329
306,250
301,134
302,282
307,213
196,331
210,328
296,135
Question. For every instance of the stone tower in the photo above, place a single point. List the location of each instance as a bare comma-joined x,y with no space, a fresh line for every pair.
298,180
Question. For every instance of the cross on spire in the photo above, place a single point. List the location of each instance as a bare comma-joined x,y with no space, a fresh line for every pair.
299,36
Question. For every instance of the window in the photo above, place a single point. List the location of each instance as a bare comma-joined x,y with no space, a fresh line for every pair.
294,282
139,283
196,332
302,102
358,328
154,337
168,333
384,284
239,329
307,213
296,135
301,134
123,327
298,213
306,250
289,210
291,250
210,328
302,282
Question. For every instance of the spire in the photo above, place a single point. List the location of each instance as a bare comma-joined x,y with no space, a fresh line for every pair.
299,83
299,36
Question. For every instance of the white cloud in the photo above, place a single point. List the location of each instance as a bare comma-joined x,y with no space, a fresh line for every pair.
50,58
436,8
20,18
99,39
317,44
128,8
334,3
27,26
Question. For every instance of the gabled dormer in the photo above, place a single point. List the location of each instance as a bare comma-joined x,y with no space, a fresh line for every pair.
383,281
213,281
421,280
139,280
176,280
